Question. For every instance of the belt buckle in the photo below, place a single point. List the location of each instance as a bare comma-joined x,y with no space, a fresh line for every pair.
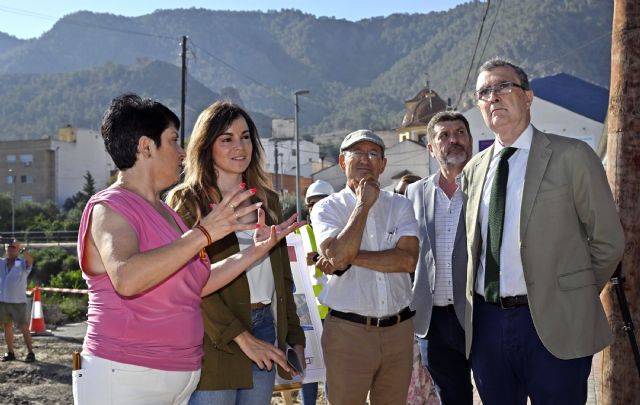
378,322
502,304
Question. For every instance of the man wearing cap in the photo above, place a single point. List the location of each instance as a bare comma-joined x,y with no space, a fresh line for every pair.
13,301
370,237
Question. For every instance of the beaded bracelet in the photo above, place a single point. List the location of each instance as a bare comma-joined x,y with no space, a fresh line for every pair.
203,251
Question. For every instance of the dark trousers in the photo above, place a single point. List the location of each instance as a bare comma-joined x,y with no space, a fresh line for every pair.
510,363
442,353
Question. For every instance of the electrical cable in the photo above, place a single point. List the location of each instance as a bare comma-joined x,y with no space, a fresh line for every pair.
484,18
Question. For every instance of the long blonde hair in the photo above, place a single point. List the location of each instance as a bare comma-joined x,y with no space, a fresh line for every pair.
195,192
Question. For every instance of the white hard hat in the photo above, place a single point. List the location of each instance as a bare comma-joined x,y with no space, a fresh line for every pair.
319,187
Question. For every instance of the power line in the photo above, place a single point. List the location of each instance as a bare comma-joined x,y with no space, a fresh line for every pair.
241,73
495,18
574,50
69,20
486,11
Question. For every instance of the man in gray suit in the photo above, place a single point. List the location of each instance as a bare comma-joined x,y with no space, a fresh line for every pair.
543,238
441,271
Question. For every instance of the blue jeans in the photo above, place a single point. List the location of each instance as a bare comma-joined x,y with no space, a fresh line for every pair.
263,328
309,393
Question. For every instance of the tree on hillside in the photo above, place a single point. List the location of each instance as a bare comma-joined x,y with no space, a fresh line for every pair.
80,198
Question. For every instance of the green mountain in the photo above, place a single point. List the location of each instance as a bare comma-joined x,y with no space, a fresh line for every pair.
358,72
38,104
8,42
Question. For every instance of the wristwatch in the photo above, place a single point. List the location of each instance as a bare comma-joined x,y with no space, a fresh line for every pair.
22,250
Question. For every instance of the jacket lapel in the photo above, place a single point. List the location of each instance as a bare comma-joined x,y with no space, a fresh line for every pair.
429,214
539,156
473,205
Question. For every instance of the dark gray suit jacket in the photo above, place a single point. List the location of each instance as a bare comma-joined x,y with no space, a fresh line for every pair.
422,195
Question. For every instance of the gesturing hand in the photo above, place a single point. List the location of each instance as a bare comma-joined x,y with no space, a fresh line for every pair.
265,237
224,217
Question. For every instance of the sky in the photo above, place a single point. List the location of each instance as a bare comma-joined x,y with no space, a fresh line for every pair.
31,18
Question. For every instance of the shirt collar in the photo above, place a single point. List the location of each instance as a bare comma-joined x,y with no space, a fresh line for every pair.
436,180
522,142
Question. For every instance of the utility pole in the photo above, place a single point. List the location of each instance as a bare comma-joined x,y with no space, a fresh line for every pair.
296,135
183,95
275,165
620,380
14,177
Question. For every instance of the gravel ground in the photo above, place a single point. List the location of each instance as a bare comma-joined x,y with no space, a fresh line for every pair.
48,380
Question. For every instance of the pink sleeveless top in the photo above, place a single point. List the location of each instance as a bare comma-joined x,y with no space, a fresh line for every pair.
160,328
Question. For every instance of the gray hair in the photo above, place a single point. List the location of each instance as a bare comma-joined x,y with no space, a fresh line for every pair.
499,62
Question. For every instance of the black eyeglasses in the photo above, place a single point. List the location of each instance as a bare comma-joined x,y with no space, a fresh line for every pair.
501,89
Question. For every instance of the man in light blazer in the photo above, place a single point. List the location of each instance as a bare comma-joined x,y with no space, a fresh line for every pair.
561,241
441,271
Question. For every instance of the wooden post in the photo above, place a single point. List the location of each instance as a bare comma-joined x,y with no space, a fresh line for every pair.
620,381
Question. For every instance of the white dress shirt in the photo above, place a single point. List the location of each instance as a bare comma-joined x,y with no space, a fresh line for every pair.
360,290
447,215
512,280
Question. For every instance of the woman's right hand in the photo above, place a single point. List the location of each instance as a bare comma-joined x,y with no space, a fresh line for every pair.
261,352
224,217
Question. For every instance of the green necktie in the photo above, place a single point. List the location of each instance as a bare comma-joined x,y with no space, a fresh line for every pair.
494,230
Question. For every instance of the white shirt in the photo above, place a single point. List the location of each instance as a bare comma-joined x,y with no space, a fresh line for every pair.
13,282
447,215
512,280
259,274
360,290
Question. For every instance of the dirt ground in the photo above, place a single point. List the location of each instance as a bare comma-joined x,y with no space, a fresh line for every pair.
48,380
45,382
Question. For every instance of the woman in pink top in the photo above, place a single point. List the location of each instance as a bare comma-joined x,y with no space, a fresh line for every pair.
146,270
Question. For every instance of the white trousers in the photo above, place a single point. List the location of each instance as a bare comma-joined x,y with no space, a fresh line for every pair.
105,382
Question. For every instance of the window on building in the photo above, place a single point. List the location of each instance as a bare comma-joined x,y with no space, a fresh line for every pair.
26,160
26,198
26,179
9,179
11,158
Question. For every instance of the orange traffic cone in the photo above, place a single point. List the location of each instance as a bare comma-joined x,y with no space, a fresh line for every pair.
37,325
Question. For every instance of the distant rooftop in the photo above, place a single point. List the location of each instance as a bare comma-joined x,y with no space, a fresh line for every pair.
574,94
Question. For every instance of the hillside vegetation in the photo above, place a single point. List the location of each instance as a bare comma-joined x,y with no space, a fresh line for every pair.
358,73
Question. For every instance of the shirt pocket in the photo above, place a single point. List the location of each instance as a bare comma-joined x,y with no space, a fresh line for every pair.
390,239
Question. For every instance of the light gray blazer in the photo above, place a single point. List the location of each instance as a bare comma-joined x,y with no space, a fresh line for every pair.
422,195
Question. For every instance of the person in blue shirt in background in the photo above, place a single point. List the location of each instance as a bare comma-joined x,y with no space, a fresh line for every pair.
14,271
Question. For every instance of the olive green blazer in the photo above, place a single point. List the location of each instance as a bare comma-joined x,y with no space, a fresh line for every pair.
227,313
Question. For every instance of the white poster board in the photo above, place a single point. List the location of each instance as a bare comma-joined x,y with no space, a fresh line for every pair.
307,310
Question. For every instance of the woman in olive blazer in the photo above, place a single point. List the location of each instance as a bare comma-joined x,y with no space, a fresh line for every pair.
224,152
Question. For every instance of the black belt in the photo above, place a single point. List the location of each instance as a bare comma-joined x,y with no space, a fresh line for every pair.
509,302
369,320
445,308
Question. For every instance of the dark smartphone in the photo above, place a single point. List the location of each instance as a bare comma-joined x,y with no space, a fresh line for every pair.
294,361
